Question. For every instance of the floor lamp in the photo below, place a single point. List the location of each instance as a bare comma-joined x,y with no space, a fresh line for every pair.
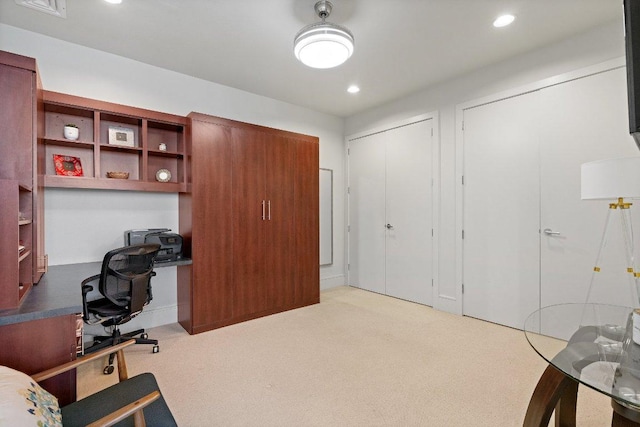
617,180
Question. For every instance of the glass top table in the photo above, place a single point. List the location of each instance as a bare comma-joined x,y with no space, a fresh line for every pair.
591,344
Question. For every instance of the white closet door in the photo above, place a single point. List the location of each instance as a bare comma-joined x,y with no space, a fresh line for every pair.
501,211
584,120
409,212
367,213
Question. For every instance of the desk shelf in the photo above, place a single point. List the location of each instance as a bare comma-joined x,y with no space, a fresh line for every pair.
114,138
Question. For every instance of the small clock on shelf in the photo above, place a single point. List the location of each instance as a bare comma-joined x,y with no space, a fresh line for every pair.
163,175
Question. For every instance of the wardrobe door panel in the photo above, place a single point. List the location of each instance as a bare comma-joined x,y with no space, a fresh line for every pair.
212,217
307,223
280,239
249,205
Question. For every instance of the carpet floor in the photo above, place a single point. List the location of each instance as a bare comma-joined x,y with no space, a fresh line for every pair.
355,359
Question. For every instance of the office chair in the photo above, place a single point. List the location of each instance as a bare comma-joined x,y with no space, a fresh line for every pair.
124,283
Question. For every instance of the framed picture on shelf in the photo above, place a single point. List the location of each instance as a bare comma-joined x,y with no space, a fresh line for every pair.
121,136
67,165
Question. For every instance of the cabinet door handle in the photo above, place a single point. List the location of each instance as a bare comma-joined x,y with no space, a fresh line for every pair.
269,209
263,216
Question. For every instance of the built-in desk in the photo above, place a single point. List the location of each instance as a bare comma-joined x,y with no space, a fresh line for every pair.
58,293
41,333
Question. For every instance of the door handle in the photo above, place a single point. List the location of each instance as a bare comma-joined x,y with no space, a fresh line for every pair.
550,232
269,210
263,216
389,227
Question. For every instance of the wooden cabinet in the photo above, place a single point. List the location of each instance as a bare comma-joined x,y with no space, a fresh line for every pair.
113,138
41,344
251,223
21,206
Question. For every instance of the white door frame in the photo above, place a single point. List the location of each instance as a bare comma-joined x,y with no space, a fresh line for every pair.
459,144
435,179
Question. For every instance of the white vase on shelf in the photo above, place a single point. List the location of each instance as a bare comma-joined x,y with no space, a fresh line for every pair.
71,133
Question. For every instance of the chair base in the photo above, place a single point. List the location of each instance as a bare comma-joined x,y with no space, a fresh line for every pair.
104,341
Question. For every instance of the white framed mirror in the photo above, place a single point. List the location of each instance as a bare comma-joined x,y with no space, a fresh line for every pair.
326,216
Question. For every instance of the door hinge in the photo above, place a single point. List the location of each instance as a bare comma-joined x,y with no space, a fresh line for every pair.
432,283
463,288
348,190
431,131
348,266
348,151
463,125
462,179
463,234
432,232
348,228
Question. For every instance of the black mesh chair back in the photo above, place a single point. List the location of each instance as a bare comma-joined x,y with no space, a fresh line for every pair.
125,279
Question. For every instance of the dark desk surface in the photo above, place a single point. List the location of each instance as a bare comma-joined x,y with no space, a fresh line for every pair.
58,292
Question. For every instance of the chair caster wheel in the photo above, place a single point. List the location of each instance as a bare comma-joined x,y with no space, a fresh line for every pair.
144,336
156,349
108,370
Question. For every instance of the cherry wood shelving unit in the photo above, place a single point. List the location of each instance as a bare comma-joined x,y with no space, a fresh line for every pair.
20,257
97,156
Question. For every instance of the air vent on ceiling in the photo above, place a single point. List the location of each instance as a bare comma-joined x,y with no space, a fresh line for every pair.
52,7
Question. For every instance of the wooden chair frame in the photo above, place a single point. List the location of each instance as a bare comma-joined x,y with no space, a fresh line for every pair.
134,408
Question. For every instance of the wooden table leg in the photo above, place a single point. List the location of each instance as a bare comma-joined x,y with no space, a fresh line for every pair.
624,416
556,391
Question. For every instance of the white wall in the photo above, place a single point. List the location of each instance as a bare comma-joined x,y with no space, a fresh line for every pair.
81,225
598,45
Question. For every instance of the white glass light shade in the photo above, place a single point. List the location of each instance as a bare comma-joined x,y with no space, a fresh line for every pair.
611,179
323,45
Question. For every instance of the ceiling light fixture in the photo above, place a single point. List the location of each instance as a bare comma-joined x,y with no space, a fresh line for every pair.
114,1
323,44
503,21
353,89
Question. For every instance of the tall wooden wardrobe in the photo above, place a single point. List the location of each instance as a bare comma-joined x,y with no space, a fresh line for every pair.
250,223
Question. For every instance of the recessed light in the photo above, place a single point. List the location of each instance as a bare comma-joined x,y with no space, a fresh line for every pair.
353,89
114,1
503,21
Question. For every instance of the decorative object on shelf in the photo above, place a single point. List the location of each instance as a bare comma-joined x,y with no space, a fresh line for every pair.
163,175
67,165
121,136
71,132
118,175
323,44
162,147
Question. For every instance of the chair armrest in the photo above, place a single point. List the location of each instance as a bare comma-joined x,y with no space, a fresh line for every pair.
134,408
40,376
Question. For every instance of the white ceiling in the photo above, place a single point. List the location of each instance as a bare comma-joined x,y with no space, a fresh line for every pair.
401,45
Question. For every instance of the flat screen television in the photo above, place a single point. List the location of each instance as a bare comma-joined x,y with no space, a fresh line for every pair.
632,46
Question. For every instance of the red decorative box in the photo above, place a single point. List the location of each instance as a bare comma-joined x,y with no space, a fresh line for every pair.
67,165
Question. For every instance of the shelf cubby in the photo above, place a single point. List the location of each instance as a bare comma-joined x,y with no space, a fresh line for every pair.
136,149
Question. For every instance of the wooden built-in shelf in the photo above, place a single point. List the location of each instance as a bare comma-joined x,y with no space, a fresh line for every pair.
24,255
148,129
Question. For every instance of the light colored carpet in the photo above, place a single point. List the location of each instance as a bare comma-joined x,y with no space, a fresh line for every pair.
355,359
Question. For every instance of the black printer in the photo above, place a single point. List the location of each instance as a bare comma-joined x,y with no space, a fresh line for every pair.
170,243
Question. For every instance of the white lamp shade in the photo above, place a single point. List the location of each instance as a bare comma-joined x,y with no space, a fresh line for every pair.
611,179
323,45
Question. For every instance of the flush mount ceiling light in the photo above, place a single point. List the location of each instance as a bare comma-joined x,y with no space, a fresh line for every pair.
323,44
